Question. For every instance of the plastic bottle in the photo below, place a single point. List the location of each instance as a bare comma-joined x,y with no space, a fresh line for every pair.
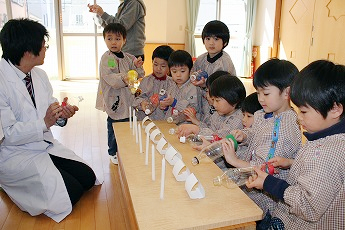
194,139
213,151
162,94
152,105
239,176
178,117
132,77
196,76
234,177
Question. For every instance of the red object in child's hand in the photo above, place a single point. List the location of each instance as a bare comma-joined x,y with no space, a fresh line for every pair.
63,104
268,168
154,99
216,138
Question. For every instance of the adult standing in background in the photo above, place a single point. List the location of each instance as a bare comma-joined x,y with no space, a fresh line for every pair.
131,14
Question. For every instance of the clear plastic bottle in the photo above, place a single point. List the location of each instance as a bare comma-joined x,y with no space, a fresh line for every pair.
194,139
213,151
234,177
178,117
152,105
162,94
196,76
132,77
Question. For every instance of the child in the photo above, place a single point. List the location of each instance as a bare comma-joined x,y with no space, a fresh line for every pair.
183,93
313,194
207,114
113,95
215,36
228,93
155,82
275,131
249,106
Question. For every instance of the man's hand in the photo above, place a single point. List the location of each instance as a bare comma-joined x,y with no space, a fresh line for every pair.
53,113
96,9
67,109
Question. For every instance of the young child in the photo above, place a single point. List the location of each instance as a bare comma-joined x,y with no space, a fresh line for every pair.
215,36
208,113
114,96
228,93
183,93
313,195
249,106
155,83
275,131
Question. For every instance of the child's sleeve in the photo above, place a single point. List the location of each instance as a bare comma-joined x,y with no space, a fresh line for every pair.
109,72
187,99
319,184
146,88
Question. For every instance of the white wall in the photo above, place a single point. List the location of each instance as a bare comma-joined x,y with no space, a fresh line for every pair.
264,27
165,21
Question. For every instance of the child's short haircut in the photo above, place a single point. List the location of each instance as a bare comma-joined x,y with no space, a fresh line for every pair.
217,29
275,72
115,28
214,76
251,104
230,88
162,52
180,58
319,85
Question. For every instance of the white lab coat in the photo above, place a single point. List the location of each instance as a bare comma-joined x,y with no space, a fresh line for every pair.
27,173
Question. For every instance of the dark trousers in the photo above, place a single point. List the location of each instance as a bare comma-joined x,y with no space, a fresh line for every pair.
112,144
77,176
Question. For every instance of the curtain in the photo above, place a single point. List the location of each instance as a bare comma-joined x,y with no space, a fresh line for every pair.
250,6
192,16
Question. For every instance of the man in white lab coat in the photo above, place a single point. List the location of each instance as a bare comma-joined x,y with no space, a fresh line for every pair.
38,173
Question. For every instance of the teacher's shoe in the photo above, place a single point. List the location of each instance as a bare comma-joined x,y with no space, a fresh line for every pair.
114,160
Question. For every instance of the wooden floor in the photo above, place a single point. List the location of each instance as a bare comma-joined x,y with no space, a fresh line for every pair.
101,207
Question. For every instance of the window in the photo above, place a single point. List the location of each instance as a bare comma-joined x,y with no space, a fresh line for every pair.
232,13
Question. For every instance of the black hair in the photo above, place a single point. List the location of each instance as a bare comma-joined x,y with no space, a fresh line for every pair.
162,52
319,85
217,29
115,28
230,88
22,35
251,104
214,76
275,72
180,58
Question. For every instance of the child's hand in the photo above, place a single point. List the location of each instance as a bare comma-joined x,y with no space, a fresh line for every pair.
229,151
144,104
257,181
201,83
138,62
204,144
166,102
281,162
239,135
191,115
186,129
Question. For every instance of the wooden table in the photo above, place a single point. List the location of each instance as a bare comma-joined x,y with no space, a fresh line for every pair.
221,206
